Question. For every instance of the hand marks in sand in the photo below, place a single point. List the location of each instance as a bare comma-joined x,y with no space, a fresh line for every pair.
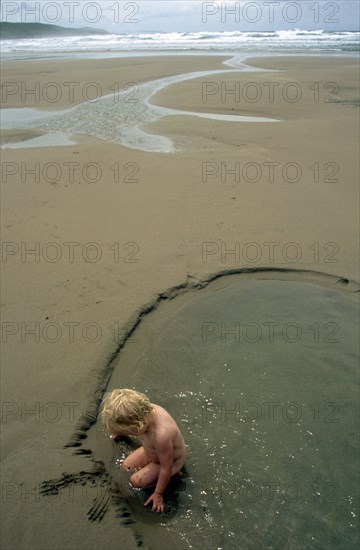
96,487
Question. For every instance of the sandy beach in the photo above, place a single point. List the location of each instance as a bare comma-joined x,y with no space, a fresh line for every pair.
94,231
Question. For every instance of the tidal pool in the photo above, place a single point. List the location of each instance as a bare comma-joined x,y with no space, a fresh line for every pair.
262,377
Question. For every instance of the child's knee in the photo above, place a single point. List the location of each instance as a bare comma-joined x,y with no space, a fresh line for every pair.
136,481
125,465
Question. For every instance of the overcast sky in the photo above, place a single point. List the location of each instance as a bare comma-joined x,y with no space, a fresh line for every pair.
187,15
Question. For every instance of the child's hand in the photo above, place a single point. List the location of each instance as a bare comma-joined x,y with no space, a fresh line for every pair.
158,502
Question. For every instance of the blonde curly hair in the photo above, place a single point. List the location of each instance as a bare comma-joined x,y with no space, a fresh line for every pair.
125,410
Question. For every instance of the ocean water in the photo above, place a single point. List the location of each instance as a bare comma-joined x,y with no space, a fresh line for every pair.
262,378
290,41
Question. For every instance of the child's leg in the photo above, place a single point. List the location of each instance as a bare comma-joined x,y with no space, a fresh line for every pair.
148,475
135,460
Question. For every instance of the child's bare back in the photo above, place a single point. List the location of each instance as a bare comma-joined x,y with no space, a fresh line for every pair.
163,430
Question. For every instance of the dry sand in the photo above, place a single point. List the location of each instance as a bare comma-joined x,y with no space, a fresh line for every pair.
150,235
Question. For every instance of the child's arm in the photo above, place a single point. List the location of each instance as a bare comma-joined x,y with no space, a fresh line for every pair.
164,449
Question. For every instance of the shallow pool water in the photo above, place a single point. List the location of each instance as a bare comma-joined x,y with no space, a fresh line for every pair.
47,140
262,378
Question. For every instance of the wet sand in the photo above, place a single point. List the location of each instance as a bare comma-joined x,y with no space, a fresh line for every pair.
109,241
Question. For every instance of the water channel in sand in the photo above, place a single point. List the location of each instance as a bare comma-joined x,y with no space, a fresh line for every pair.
119,117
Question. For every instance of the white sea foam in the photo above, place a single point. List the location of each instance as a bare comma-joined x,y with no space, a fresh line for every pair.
281,40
